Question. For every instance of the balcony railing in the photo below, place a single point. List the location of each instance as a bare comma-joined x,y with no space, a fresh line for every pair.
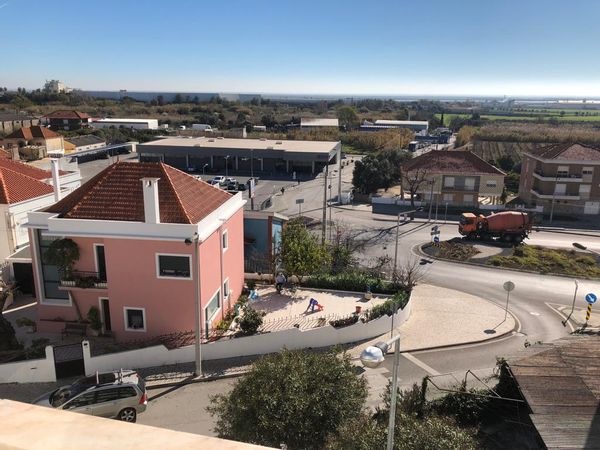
84,280
556,177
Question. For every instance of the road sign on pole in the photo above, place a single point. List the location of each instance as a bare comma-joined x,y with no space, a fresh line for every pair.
436,240
588,313
299,202
508,286
591,298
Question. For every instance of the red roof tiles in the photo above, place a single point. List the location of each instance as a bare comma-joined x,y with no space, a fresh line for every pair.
116,194
67,114
33,132
576,152
26,169
17,187
451,161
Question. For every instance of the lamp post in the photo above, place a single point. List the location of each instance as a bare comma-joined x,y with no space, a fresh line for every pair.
372,357
226,160
564,322
204,168
195,241
432,182
583,247
251,163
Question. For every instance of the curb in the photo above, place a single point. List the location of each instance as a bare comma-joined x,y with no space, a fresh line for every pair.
188,380
421,253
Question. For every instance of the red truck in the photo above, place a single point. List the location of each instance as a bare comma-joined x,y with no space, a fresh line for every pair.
506,226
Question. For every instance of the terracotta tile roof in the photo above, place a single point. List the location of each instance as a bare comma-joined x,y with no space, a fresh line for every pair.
451,161
26,169
15,186
116,194
577,152
33,132
67,114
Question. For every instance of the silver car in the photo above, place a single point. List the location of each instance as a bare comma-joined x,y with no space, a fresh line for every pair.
117,395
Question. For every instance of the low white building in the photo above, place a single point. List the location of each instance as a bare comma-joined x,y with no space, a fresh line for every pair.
318,122
415,125
137,124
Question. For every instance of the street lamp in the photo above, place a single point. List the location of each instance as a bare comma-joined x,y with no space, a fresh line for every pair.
204,168
195,241
226,159
372,357
583,247
564,322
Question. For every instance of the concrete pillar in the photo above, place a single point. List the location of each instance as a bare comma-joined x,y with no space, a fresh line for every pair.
262,167
187,160
212,162
236,163
313,167
133,147
287,166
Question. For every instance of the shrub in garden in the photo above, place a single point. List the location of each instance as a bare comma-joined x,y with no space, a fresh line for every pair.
250,320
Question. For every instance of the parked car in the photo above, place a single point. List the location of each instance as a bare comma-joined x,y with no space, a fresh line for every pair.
230,180
118,395
232,187
242,187
219,179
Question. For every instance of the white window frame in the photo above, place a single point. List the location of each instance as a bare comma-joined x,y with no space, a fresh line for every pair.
470,186
563,169
39,285
491,183
563,189
587,170
448,198
163,277
135,308
96,255
226,292
224,241
207,319
472,200
449,182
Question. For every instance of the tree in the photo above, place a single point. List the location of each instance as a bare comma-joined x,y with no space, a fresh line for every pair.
300,252
464,135
20,102
348,117
412,182
8,339
294,398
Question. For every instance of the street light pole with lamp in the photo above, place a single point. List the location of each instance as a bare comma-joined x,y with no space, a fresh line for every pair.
226,165
204,168
195,241
374,356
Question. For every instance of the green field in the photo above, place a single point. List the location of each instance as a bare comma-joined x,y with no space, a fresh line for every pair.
569,116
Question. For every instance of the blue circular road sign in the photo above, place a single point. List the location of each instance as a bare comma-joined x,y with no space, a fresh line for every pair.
436,239
591,298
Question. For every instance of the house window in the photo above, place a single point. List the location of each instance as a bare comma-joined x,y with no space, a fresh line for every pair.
212,307
50,276
173,266
491,183
584,190
562,171
448,197
135,319
225,239
468,198
470,183
449,182
587,171
226,288
560,189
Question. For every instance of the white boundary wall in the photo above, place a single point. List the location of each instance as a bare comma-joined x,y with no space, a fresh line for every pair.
30,371
252,345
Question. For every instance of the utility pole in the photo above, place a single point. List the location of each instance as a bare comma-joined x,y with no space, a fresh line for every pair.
396,250
432,182
324,225
330,222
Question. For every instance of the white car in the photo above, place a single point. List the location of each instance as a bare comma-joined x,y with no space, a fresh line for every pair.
219,179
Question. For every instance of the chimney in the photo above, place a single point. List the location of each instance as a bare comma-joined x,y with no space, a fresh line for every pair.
54,163
151,209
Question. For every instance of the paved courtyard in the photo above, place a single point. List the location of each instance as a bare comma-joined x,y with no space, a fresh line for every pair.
288,309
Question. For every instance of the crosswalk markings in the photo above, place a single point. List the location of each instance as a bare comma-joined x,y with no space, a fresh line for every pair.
430,370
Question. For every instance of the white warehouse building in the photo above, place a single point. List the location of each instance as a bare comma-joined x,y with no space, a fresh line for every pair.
137,124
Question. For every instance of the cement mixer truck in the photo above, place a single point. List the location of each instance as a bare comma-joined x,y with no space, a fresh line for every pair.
506,226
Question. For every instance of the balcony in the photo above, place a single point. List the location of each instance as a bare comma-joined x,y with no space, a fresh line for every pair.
555,196
83,280
573,178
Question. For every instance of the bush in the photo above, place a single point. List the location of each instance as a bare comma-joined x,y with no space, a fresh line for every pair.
225,322
345,322
93,316
352,281
396,303
25,322
250,321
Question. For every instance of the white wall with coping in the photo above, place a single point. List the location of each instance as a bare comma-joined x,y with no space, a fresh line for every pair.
30,371
259,344
394,201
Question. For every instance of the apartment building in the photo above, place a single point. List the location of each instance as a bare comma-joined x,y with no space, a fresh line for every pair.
453,177
563,178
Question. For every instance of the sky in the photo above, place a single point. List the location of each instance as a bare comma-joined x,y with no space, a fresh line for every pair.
396,47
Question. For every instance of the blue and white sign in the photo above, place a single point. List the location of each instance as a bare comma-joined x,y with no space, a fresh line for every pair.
436,239
591,298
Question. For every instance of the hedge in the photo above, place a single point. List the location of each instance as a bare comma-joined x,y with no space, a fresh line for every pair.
357,282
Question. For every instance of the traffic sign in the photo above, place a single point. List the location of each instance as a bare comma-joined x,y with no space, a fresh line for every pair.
591,298
299,201
508,286
436,240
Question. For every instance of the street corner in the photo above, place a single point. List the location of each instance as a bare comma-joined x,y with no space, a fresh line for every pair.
444,317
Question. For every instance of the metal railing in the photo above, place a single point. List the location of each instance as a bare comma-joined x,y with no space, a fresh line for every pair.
84,280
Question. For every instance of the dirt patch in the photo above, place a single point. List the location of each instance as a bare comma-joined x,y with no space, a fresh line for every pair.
454,249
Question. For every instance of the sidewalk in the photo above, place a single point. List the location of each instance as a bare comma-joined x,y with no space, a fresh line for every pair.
440,317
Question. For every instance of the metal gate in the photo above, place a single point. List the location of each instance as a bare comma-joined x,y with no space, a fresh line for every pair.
68,360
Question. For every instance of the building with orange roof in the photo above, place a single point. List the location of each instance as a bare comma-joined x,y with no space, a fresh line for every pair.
135,226
36,141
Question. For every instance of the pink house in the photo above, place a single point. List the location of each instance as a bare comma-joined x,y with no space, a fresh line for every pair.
131,223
